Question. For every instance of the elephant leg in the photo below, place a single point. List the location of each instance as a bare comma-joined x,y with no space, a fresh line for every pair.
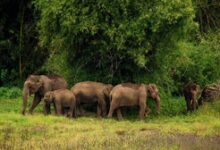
35,102
99,110
111,110
147,111
74,112
59,109
55,109
71,110
46,108
142,107
103,108
81,110
102,105
119,114
195,105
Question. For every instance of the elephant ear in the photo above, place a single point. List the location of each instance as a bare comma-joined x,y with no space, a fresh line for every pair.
52,96
26,89
39,84
107,90
152,88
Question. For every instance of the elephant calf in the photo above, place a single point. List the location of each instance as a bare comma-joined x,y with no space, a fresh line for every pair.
128,94
191,93
62,99
88,92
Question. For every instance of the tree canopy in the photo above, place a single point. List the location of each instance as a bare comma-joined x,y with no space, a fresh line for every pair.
166,42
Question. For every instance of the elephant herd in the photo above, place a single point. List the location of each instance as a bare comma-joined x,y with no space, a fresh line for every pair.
53,90
195,97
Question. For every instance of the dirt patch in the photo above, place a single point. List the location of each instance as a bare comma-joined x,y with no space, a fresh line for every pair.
120,132
151,130
143,129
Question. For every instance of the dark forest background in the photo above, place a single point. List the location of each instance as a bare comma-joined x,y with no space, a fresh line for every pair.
168,42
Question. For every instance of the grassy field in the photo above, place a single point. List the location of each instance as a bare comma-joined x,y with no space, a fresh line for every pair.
198,130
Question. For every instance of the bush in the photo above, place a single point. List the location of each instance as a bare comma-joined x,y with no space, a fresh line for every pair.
10,92
115,40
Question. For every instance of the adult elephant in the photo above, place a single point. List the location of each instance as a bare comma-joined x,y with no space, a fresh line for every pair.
129,94
191,92
39,85
210,93
89,92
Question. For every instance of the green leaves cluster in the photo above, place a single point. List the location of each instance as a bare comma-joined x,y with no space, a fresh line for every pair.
116,38
111,41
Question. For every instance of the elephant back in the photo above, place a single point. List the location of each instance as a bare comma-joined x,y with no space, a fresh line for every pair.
57,82
211,92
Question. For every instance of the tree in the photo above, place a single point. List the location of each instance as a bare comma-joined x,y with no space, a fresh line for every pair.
19,53
115,39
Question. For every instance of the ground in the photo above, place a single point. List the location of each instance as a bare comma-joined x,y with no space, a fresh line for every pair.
197,130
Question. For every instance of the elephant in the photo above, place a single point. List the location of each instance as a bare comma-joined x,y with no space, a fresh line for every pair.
191,93
90,92
210,93
39,85
62,99
130,94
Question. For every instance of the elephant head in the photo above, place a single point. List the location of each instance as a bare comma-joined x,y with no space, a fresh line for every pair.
194,90
31,86
191,92
108,89
153,93
49,97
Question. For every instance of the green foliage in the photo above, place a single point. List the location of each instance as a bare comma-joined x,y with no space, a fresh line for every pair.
199,61
111,41
10,92
117,39
207,14
19,53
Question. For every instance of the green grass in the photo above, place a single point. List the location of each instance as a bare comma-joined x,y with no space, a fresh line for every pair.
170,130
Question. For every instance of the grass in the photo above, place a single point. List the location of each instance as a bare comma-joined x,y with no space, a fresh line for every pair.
170,130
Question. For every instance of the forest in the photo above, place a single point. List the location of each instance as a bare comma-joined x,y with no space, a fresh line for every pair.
166,42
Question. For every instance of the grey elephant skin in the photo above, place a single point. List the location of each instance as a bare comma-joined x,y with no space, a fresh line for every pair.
62,99
39,85
89,92
210,93
129,94
191,93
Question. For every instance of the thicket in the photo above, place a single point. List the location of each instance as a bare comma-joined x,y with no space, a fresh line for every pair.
166,42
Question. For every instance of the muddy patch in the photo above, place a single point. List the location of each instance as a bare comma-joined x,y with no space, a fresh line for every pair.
120,132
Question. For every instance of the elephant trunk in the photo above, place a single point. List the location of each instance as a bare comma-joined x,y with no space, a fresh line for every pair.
158,104
194,101
25,95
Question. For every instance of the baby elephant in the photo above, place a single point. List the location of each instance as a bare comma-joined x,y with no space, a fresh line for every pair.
62,99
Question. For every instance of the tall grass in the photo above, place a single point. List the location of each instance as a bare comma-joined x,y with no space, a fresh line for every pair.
172,129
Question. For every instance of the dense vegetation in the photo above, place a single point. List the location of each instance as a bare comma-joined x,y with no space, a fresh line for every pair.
166,42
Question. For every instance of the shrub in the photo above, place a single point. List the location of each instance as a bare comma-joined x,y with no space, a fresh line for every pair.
10,92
